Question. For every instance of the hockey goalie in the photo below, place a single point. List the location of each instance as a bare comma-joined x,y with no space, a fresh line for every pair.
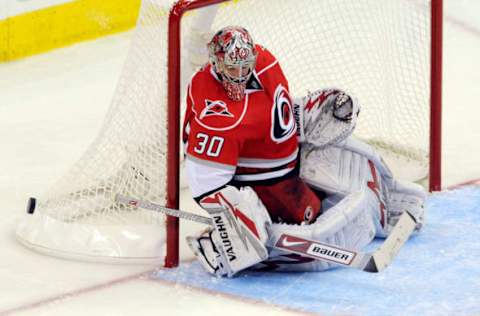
261,164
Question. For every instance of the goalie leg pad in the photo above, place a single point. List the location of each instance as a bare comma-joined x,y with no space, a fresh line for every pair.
239,234
354,165
349,224
406,196
342,168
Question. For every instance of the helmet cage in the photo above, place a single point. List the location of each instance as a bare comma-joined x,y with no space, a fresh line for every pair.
237,71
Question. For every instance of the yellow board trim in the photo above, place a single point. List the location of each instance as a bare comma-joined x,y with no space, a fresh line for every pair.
61,25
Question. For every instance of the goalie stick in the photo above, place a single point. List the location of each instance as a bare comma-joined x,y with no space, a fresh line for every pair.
375,261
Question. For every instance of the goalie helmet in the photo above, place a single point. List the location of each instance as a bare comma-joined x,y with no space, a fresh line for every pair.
233,56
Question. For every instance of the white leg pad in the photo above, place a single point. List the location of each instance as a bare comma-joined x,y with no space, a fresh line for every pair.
406,196
341,168
353,165
349,224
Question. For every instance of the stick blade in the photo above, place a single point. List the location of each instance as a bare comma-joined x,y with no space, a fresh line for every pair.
392,245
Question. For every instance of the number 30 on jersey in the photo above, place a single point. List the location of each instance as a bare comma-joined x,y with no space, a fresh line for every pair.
210,145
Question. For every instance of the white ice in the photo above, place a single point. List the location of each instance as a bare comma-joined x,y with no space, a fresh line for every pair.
51,107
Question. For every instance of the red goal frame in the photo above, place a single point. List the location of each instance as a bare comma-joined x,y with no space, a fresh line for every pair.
173,163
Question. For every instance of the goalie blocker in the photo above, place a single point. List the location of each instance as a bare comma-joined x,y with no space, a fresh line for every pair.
238,238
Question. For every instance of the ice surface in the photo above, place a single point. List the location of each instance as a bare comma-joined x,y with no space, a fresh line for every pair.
436,273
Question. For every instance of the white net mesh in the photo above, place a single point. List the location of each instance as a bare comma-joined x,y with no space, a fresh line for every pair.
78,216
376,50
379,51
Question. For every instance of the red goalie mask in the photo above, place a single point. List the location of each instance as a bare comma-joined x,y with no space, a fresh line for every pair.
233,55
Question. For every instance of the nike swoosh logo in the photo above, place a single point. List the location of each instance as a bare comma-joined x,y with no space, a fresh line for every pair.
287,243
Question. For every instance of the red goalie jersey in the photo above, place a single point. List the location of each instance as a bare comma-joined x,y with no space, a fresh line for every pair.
248,142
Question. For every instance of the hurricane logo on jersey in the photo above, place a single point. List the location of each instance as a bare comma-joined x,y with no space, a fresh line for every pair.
217,107
283,122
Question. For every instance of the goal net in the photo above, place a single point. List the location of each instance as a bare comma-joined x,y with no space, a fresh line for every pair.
378,51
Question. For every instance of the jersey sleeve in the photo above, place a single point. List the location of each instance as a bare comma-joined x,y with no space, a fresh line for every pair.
213,129
212,149
211,159
204,178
